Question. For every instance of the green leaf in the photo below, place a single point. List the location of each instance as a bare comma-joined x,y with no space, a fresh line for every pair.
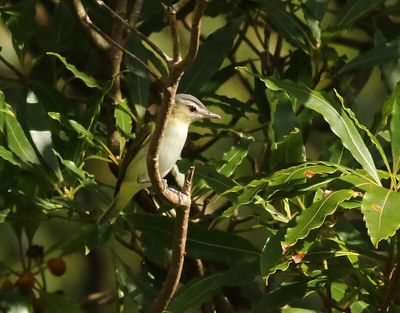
317,8
9,156
136,286
208,176
138,82
234,157
370,135
213,245
280,297
388,109
36,120
338,119
289,150
375,56
285,23
394,103
196,292
381,215
74,125
56,303
272,256
210,86
17,142
211,54
88,80
354,10
314,216
201,289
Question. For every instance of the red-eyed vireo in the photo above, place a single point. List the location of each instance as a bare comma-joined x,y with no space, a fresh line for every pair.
133,175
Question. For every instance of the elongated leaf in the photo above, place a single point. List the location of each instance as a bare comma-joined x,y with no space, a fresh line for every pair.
339,121
373,57
202,243
17,142
74,125
354,10
36,120
210,57
380,207
388,108
136,286
394,103
289,150
234,157
317,8
208,176
88,80
280,297
199,290
9,156
285,23
370,135
196,292
272,256
301,173
314,216
138,79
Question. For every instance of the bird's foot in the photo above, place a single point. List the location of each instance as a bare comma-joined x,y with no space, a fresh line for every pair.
175,191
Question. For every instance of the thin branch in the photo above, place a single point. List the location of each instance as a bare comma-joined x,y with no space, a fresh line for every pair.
178,251
17,72
135,13
179,5
194,34
127,52
85,21
151,44
171,14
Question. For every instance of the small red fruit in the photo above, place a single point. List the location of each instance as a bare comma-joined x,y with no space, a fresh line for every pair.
57,266
26,281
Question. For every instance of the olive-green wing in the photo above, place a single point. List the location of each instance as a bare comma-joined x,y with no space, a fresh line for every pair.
133,147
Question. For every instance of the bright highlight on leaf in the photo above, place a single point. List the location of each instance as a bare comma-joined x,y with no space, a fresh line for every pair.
380,207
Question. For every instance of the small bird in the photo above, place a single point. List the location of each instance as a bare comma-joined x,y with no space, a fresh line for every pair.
133,175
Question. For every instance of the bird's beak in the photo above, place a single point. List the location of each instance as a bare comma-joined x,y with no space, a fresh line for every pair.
213,115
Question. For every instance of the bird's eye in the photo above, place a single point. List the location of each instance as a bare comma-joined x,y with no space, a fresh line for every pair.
192,108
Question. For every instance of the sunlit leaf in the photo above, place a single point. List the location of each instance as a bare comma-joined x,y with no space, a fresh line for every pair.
9,156
288,150
314,216
17,141
380,209
234,157
338,119
88,80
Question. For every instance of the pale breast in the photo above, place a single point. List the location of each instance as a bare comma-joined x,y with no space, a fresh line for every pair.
172,145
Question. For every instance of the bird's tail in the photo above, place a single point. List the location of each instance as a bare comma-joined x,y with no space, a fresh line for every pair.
120,201
110,214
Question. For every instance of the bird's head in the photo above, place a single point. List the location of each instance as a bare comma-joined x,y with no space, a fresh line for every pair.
188,108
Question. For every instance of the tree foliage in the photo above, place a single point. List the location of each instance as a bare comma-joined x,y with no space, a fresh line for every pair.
295,192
